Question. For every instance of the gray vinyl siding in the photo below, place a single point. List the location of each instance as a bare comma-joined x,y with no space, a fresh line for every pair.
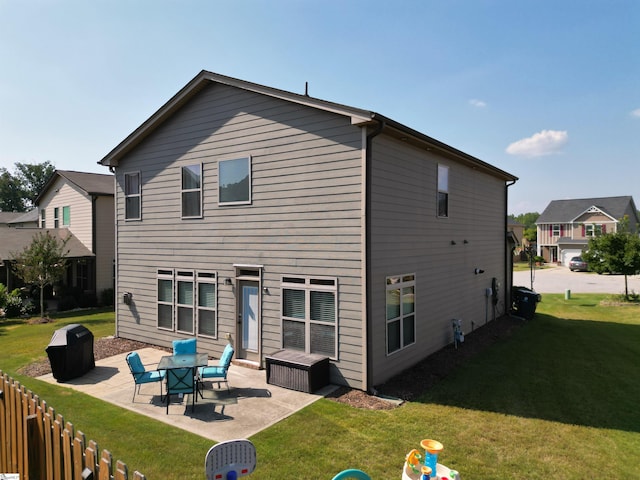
305,217
408,237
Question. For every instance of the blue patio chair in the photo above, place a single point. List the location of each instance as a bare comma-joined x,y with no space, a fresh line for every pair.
352,473
188,345
180,380
141,375
218,373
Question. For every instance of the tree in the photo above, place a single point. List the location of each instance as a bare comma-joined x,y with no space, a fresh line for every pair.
42,262
11,194
529,222
33,178
616,252
19,191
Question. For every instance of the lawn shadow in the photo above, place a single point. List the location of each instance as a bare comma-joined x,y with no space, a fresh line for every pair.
581,372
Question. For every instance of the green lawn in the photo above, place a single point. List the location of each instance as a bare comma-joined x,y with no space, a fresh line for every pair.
556,400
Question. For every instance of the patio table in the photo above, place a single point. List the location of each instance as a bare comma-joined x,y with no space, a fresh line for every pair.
185,360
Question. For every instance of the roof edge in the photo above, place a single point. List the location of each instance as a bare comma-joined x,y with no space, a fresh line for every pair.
358,116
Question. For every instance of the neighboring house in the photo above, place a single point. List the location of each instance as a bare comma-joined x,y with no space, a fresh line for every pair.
14,240
7,218
25,220
82,203
283,221
565,226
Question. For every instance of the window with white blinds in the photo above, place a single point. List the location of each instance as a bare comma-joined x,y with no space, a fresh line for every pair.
186,301
309,314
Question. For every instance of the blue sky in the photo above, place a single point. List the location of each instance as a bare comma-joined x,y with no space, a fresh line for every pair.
546,90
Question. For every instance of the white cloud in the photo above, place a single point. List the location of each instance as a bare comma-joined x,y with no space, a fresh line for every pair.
478,103
636,113
539,144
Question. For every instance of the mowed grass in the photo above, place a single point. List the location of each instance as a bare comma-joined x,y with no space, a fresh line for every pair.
559,399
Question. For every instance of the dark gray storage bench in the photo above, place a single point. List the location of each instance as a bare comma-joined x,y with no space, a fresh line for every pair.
297,370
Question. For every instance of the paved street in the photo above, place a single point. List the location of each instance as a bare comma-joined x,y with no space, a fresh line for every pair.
558,279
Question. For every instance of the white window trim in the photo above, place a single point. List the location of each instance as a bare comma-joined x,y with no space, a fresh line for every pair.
212,278
185,276
555,230
308,287
139,195
190,190
166,274
395,286
242,202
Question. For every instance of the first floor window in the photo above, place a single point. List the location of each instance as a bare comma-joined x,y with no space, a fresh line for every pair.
187,301
207,304
309,315
165,299
400,315
184,303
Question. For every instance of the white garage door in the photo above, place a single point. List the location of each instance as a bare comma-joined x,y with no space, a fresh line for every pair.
568,255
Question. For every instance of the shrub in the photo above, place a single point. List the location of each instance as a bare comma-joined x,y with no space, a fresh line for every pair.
13,304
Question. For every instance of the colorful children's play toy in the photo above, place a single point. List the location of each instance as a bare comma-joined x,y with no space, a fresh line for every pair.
419,466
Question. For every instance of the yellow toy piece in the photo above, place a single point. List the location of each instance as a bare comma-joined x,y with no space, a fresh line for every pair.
414,460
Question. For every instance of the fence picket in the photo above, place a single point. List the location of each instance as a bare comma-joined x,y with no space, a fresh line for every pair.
105,466
36,443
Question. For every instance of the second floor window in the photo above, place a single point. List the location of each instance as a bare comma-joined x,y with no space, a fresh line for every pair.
443,191
43,218
192,191
66,216
56,217
132,196
234,180
556,230
593,230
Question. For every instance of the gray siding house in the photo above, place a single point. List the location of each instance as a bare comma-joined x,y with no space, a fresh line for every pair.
280,221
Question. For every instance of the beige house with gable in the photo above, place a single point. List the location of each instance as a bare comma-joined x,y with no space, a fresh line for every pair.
283,221
82,203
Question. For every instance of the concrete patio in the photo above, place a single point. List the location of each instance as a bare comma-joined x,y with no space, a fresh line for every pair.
250,405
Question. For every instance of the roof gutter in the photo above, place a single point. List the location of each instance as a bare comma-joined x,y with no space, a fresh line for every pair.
368,209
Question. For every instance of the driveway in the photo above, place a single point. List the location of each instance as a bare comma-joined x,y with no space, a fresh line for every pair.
558,279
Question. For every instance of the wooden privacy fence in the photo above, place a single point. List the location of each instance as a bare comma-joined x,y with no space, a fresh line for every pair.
39,445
